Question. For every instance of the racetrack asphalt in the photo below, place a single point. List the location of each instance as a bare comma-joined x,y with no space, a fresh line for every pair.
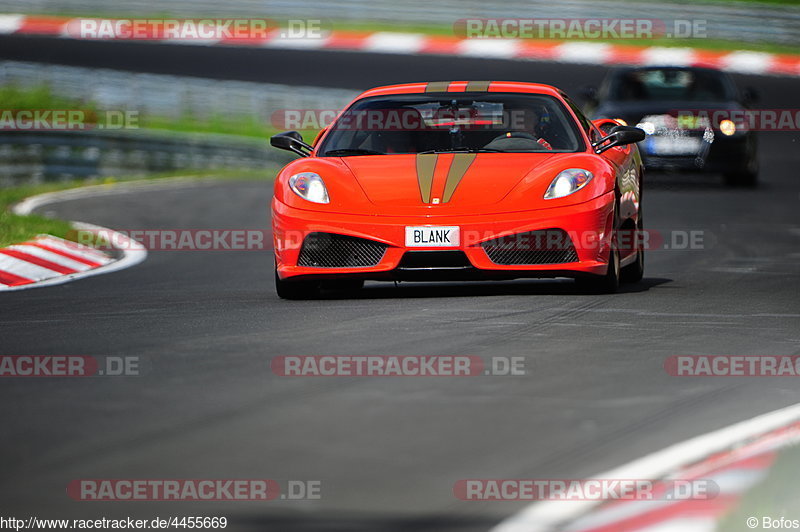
388,451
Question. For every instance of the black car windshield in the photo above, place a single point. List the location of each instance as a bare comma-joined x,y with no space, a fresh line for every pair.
452,122
669,84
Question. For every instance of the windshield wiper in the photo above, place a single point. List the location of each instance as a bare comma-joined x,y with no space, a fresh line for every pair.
464,150
344,152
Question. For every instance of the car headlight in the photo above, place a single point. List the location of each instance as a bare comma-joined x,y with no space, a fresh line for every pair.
309,186
727,127
568,182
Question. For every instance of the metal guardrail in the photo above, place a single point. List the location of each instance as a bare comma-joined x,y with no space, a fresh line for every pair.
752,22
172,96
35,157
53,156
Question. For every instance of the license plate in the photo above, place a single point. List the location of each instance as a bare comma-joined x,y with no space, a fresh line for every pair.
673,146
429,236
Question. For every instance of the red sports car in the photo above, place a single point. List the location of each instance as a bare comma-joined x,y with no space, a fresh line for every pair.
459,181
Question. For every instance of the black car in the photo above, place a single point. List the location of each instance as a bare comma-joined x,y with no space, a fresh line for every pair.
692,117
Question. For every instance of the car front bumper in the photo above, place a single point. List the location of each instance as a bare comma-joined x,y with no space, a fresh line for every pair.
589,226
726,154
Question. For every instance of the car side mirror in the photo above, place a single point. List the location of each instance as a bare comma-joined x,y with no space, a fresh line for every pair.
291,141
605,125
619,136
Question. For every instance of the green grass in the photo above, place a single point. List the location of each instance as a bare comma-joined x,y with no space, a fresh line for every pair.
14,97
788,3
776,496
15,228
41,97
245,127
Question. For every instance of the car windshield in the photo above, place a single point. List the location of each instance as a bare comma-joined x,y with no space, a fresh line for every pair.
447,122
669,84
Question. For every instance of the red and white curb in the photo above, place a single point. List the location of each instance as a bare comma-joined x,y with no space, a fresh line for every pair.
129,252
409,43
734,472
579,52
48,260
735,458
46,257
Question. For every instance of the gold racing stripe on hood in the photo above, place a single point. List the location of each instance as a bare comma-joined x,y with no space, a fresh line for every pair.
437,86
458,168
426,166
478,86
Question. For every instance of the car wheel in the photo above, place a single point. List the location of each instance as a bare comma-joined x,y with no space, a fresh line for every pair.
603,284
633,273
296,289
747,177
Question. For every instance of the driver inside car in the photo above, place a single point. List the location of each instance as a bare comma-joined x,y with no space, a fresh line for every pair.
530,124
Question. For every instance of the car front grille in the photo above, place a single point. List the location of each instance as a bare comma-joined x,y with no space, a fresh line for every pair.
549,246
329,250
433,260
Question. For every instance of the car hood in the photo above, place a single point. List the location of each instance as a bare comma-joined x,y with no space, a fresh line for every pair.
442,183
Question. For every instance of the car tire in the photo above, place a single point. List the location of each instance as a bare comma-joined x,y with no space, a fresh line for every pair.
634,272
603,284
748,176
296,290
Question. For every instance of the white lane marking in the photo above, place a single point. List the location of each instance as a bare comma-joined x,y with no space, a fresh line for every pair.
23,268
495,48
28,205
50,256
641,312
395,43
547,515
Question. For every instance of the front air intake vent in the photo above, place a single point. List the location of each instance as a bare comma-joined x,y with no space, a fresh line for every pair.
329,250
549,246
434,260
